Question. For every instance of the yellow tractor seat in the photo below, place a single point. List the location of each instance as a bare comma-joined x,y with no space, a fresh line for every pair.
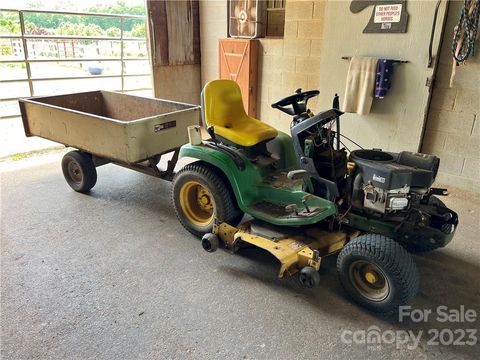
223,109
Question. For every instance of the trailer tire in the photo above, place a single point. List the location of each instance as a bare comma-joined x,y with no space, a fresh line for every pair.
79,171
200,195
377,273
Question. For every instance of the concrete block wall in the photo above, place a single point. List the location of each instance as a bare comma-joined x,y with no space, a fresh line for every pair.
453,125
213,26
284,64
292,61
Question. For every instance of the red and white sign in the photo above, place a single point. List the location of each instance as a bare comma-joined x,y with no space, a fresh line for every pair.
388,13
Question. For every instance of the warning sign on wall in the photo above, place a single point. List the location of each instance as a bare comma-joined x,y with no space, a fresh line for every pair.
388,16
387,13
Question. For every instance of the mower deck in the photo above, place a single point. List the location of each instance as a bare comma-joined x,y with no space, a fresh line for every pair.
293,250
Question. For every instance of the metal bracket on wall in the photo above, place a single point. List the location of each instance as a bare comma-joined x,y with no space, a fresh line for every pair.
395,61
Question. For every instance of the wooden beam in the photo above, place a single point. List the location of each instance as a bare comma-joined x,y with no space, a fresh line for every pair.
174,27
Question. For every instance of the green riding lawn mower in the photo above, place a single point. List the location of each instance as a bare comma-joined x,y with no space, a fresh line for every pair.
306,198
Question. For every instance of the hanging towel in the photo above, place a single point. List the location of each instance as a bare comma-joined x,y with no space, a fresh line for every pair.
383,80
360,85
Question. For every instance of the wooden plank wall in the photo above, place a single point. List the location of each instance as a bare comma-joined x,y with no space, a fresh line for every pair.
174,30
174,39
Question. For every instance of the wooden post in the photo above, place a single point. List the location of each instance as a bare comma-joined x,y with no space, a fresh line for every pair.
174,39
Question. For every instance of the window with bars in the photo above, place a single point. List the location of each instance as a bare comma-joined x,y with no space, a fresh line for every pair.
275,17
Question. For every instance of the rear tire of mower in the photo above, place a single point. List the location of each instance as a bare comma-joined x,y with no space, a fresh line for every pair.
377,273
225,207
79,171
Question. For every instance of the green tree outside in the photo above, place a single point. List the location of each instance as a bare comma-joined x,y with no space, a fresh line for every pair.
8,26
9,19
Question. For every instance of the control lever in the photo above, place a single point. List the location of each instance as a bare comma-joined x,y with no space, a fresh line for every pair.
336,105
304,201
292,208
299,174
211,132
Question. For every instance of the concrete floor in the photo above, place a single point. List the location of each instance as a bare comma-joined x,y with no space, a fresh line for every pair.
113,275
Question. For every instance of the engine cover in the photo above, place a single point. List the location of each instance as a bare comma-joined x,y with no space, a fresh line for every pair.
388,178
389,171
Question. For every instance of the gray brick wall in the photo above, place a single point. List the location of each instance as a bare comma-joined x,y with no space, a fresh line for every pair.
453,125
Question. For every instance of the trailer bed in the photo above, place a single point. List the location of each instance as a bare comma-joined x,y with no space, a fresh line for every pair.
119,127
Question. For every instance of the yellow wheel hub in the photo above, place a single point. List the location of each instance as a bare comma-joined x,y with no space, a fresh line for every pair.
371,277
369,280
197,203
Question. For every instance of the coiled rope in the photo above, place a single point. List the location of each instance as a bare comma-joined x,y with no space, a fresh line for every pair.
465,34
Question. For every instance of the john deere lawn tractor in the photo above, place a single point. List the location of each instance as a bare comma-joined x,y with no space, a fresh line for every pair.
307,198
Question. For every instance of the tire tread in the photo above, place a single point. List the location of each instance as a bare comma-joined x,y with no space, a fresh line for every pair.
88,169
393,257
231,212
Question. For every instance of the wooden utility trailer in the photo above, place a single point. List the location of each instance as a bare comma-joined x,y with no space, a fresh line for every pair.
105,127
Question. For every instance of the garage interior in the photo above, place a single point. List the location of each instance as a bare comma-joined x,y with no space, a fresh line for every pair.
113,274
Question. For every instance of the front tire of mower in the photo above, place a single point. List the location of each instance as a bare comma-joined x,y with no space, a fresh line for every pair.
199,195
79,171
377,273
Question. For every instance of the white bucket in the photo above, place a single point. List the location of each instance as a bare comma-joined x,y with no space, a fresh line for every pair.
194,135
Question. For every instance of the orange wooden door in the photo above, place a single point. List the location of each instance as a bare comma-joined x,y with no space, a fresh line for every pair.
238,62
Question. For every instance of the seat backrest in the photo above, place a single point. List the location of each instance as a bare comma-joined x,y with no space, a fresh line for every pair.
222,104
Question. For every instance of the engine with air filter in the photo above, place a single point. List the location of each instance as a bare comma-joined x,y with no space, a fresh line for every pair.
386,182
374,191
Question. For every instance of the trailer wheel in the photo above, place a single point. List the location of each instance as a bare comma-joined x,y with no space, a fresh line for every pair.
378,273
79,171
199,195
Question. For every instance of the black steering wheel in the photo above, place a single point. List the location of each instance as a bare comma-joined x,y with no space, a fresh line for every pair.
295,104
